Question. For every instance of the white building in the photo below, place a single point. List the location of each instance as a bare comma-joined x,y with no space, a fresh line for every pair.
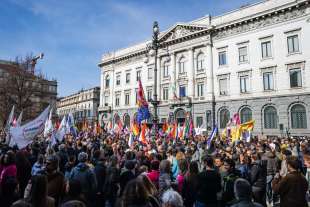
82,105
253,61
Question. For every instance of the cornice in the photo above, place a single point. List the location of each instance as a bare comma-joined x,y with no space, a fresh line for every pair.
275,16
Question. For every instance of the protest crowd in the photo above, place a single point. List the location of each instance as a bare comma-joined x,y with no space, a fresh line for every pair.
45,164
110,169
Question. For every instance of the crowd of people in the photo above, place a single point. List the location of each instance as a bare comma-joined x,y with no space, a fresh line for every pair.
103,170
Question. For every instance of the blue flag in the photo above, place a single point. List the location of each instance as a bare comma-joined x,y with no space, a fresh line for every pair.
143,110
212,135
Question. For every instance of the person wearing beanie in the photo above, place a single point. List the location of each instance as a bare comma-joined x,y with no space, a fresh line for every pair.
242,191
86,176
128,174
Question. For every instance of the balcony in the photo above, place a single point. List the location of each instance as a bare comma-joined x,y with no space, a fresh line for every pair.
105,109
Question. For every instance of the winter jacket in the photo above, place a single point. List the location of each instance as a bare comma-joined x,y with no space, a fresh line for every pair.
258,174
189,190
56,186
228,186
292,189
175,168
209,184
154,176
125,177
36,169
272,163
8,171
111,186
100,172
86,176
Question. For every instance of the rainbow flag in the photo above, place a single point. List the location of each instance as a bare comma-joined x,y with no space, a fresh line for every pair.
142,137
135,129
143,107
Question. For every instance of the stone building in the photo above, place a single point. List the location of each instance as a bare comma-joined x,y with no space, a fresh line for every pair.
29,93
253,61
83,105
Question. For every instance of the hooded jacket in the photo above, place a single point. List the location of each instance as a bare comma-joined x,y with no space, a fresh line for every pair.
86,176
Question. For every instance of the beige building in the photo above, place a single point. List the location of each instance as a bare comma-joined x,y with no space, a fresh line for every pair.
82,105
253,61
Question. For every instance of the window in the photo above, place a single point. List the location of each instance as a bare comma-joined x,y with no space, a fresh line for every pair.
150,72
118,79
245,115
149,94
182,65
200,87
244,84
243,54
292,44
127,98
224,118
106,100
200,63
182,91
295,78
223,86
268,81
199,121
117,98
127,78
270,118
222,58
165,94
166,70
266,49
107,81
298,117
138,75
136,96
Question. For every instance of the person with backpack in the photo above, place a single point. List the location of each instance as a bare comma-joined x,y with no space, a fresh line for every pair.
228,182
86,176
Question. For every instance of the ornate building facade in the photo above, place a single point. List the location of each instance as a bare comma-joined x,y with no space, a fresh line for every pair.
253,61
82,105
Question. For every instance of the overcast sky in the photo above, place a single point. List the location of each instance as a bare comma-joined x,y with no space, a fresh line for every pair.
73,34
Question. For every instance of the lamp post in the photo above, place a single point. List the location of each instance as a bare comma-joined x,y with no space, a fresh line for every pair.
154,46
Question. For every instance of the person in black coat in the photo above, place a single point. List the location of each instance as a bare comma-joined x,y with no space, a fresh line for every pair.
111,186
209,185
258,179
189,189
229,179
100,172
127,175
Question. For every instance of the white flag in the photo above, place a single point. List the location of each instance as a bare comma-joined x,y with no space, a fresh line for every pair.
19,120
25,134
48,128
9,123
62,129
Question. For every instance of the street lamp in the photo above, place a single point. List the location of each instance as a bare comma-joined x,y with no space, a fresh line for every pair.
153,50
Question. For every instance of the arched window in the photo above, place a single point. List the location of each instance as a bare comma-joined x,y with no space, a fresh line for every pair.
298,117
127,120
200,62
224,118
245,114
107,81
182,65
270,118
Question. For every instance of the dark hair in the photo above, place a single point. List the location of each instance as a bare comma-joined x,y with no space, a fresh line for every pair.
11,158
209,161
38,192
183,166
293,162
134,194
155,165
230,162
193,168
